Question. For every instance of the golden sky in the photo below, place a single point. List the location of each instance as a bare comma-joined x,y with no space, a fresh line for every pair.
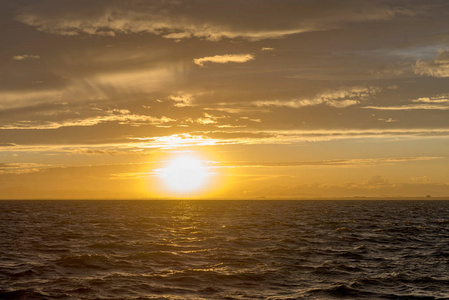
247,99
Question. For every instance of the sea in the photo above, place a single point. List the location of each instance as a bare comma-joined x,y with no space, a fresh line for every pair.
181,249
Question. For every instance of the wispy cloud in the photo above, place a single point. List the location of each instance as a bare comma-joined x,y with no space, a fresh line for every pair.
389,120
21,168
410,107
25,57
340,98
200,19
435,99
438,102
182,99
438,67
285,137
333,162
176,141
224,59
121,116
142,145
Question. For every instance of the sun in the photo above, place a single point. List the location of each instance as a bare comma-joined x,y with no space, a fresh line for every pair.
184,174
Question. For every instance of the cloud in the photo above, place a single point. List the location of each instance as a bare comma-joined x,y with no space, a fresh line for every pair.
121,116
25,57
141,144
435,99
438,102
333,162
215,138
223,59
201,19
21,168
377,181
421,179
410,107
439,67
340,98
207,119
176,141
374,181
267,49
182,99
389,120
377,186
132,176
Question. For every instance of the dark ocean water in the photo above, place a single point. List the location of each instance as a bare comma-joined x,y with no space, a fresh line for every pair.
224,249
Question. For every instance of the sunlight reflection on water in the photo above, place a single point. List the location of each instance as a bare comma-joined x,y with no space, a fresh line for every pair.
220,249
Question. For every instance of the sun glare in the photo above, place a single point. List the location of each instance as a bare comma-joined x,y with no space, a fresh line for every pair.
184,174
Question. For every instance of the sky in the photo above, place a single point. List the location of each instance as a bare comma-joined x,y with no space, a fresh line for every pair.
266,99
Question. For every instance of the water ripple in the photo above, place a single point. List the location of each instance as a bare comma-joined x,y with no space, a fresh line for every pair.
224,250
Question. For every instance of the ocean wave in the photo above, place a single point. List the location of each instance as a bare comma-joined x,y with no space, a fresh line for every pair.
217,250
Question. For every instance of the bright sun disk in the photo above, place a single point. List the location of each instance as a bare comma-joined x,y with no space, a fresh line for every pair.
184,174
